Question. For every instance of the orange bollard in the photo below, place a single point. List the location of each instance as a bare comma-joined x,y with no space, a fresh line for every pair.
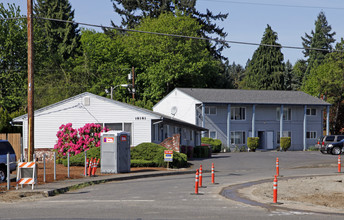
85,171
212,174
90,167
95,165
196,182
339,164
275,190
200,176
277,167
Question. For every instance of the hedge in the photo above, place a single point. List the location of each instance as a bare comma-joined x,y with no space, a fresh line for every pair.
252,143
201,152
215,143
285,143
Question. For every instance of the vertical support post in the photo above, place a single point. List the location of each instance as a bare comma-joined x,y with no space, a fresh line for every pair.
281,123
68,175
8,171
304,127
133,82
54,165
85,163
253,121
228,125
44,168
203,119
30,88
327,120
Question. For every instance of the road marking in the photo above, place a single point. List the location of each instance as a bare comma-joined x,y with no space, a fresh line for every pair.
107,201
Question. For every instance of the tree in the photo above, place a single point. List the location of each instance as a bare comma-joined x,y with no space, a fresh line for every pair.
326,80
13,58
288,76
298,74
234,74
321,38
266,68
164,62
132,13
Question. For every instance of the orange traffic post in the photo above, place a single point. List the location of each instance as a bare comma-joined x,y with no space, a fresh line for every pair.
277,166
196,182
90,167
275,190
212,173
200,176
95,165
339,164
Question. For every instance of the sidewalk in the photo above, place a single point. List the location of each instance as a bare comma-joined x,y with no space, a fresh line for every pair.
54,188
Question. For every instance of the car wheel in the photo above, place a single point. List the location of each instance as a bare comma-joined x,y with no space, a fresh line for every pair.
323,152
336,151
2,174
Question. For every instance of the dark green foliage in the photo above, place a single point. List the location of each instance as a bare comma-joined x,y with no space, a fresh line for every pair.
155,153
321,38
266,69
285,143
215,143
298,74
132,13
288,76
142,163
79,159
201,152
233,74
252,143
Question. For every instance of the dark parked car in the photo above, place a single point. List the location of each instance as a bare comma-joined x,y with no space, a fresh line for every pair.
323,141
335,148
5,148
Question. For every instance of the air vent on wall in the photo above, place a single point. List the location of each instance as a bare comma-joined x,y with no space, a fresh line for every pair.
86,101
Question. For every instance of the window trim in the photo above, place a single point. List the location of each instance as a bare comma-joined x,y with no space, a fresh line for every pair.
213,132
243,137
309,111
209,110
308,135
286,110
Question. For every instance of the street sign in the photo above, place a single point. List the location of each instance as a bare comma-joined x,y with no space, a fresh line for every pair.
168,155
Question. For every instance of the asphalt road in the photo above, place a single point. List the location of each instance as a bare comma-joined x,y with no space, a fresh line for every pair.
171,197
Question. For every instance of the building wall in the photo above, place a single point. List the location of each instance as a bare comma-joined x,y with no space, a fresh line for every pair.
266,120
185,106
48,122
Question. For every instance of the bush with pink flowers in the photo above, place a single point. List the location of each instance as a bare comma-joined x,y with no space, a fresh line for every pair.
76,141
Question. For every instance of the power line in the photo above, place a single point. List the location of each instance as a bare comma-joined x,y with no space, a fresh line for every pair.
183,36
190,37
276,5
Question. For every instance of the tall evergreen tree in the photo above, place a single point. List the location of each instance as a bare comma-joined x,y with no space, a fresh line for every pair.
234,74
132,12
288,75
55,41
266,68
321,38
298,74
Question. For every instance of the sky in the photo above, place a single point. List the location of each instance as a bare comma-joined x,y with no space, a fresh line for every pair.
246,21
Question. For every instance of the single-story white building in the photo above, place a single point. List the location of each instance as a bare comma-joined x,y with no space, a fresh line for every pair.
144,125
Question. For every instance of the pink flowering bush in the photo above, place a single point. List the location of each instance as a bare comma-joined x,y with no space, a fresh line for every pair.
76,141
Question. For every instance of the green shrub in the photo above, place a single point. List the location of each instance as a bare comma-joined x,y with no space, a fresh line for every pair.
215,143
285,143
201,152
79,159
142,163
313,148
253,143
155,153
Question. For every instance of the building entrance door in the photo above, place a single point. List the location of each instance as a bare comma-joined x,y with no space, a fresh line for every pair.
269,140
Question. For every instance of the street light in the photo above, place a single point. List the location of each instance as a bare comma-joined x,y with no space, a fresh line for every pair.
112,89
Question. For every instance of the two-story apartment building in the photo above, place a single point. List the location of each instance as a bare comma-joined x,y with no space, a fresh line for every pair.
233,115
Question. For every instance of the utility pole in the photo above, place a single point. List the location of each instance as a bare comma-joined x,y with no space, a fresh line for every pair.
30,94
133,83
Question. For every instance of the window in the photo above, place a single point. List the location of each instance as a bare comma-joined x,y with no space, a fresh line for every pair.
238,113
285,134
238,137
210,110
311,111
212,134
329,138
114,126
286,114
311,134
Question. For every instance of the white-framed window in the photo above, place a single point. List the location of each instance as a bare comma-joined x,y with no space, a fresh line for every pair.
210,110
285,134
286,114
311,111
212,134
238,113
238,137
311,134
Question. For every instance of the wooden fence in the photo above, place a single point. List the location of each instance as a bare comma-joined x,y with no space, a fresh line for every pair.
15,140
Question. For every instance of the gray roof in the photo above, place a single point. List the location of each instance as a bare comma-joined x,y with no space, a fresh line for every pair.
237,96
